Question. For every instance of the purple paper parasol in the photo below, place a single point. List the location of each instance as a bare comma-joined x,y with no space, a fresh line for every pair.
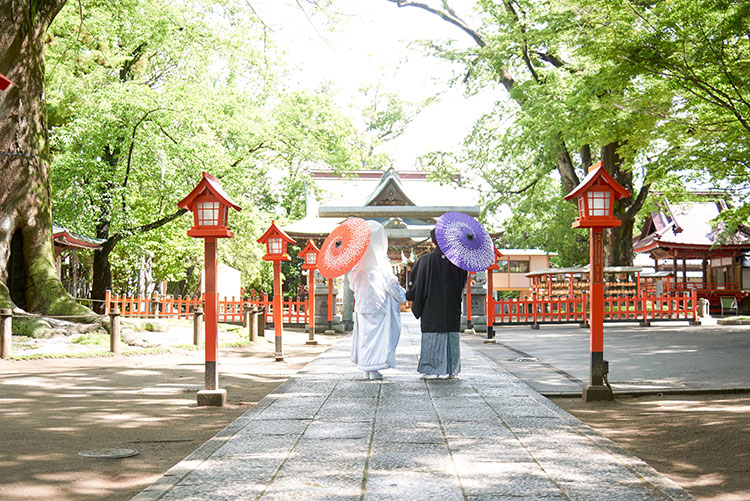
464,241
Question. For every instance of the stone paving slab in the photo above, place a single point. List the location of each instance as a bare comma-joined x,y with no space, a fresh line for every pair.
328,433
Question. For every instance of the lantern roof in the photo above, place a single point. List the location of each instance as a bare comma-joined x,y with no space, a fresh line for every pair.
274,230
597,172
494,266
310,247
4,82
210,183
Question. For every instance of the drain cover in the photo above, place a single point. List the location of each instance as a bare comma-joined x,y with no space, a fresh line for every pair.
108,453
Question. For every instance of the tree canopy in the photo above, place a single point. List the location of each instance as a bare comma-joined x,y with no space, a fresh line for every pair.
143,96
612,81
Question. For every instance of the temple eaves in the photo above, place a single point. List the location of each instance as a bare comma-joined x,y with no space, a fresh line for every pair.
402,211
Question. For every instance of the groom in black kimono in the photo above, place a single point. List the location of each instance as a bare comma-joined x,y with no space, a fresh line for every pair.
436,290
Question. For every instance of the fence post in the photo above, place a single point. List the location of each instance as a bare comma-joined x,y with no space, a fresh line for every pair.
114,331
644,319
6,331
694,302
252,323
198,332
107,298
584,310
246,315
262,320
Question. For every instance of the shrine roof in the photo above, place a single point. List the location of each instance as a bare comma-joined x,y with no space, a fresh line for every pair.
69,240
583,269
525,252
376,188
687,226
389,187
312,226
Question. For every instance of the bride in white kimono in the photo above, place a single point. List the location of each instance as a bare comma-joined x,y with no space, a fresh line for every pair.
377,295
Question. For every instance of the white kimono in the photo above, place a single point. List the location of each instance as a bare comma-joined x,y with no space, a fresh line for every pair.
377,295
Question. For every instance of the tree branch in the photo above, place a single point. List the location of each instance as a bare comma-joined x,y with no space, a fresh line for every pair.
525,46
124,233
552,59
249,152
130,154
638,201
505,77
445,16
49,9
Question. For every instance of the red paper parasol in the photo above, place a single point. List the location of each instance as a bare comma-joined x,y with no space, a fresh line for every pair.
344,247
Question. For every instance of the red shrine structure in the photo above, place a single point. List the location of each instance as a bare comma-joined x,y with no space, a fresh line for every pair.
683,235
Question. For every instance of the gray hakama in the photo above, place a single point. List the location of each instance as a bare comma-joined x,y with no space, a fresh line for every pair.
440,354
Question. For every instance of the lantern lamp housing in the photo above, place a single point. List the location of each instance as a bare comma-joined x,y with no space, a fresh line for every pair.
310,255
276,240
210,207
596,196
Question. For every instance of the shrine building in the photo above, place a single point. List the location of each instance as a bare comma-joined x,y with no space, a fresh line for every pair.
405,202
682,241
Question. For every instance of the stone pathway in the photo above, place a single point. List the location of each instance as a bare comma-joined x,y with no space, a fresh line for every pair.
327,433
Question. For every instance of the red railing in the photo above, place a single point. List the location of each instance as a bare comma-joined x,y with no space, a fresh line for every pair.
642,309
230,309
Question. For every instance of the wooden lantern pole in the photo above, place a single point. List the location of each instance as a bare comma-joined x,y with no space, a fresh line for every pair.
330,305
490,307
311,305
596,295
277,310
469,327
211,299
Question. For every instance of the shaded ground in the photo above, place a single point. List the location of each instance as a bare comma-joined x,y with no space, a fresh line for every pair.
701,442
51,409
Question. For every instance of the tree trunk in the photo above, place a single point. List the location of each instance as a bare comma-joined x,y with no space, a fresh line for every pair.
25,202
619,244
102,268
102,280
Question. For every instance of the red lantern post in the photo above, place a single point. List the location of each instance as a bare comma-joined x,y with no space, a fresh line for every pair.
469,327
210,206
596,196
491,299
330,330
310,256
276,241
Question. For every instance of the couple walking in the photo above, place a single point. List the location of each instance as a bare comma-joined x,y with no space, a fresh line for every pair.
435,289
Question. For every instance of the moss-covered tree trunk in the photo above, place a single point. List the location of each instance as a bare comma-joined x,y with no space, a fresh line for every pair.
25,201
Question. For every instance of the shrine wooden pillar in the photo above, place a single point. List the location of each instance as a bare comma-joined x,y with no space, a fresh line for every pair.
684,271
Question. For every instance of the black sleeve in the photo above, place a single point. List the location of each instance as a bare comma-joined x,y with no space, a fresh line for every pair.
419,284
410,285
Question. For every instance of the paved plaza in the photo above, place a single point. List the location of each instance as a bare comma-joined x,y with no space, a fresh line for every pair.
666,357
327,433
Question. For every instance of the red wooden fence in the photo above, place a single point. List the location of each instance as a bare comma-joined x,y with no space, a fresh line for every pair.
643,309
230,309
